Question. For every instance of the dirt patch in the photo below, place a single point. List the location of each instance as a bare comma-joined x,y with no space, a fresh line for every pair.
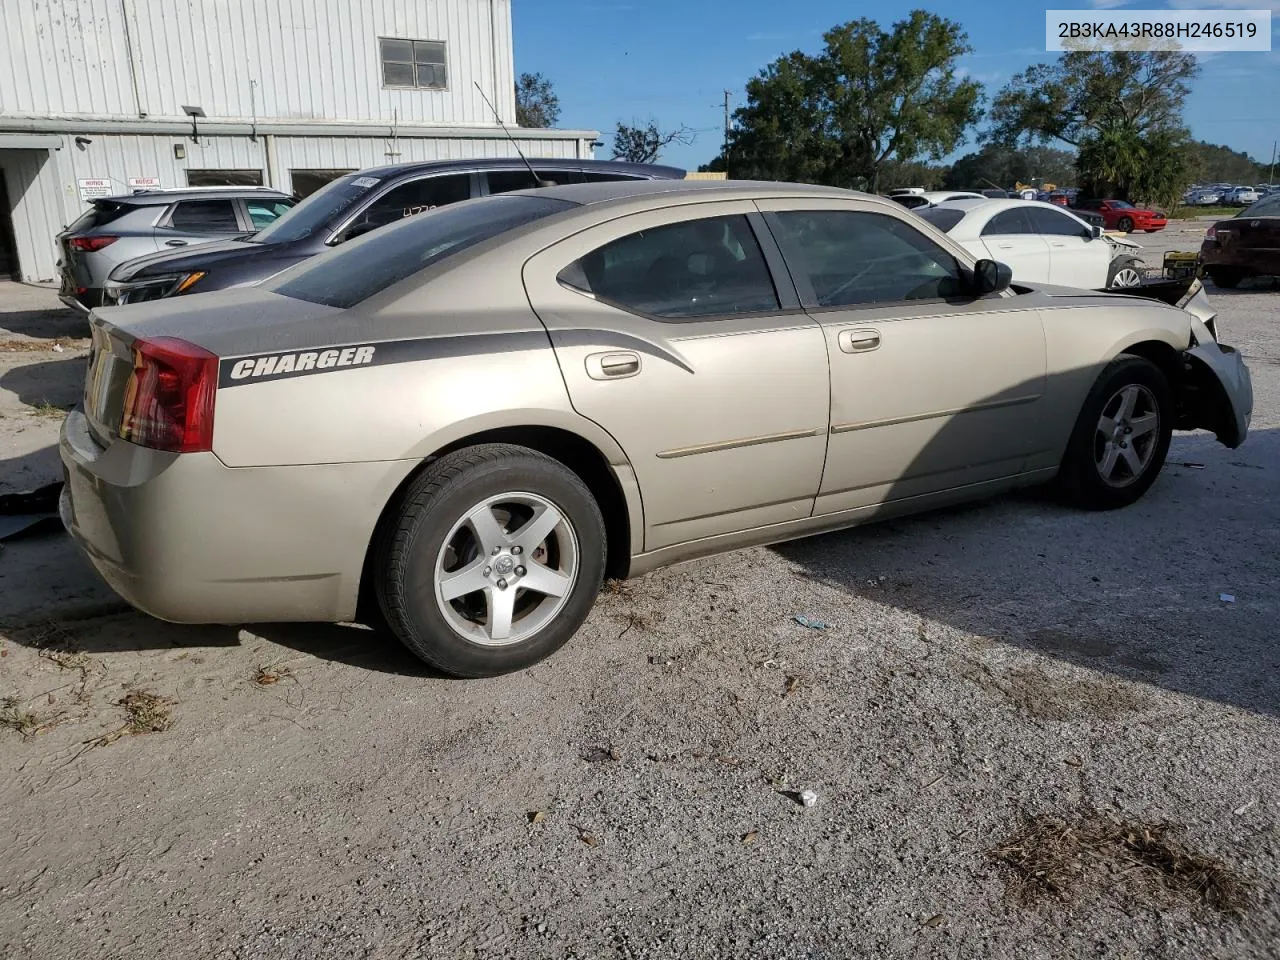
1036,694
1089,852
56,345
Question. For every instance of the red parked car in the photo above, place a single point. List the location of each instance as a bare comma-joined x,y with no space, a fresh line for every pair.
1124,216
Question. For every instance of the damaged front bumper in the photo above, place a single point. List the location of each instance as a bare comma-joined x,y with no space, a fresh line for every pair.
1217,391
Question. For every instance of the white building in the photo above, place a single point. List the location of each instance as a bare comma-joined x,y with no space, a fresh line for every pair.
96,97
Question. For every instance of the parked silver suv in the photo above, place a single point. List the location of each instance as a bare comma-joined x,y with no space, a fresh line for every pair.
116,229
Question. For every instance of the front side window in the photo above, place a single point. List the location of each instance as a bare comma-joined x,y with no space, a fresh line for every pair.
1052,224
346,275
413,63
697,268
1009,223
266,212
409,199
852,258
205,216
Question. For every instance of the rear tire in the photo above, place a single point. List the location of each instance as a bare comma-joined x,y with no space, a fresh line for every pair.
1121,437
1227,279
494,561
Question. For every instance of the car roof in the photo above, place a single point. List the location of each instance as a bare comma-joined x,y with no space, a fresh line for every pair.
506,163
612,190
151,198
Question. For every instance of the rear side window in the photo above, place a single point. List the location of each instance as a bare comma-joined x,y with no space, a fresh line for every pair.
1009,223
264,212
942,218
503,181
698,268
349,274
205,216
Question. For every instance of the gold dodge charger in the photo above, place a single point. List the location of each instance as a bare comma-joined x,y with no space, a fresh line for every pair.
461,424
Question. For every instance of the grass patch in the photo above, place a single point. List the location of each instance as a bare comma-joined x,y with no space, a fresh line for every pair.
146,712
1190,213
1066,857
16,716
46,409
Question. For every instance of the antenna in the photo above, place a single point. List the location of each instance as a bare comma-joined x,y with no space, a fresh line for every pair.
537,182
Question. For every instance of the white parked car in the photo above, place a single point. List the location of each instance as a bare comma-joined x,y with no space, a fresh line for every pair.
1041,242
920,199
1241,196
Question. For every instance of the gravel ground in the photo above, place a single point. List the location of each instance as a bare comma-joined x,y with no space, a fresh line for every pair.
313,792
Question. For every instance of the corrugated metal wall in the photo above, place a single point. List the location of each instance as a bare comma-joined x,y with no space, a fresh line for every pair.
43,186
311,59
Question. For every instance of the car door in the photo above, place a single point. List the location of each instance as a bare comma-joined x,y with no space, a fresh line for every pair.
1010,238
191,222
931,388
1076,259
672,336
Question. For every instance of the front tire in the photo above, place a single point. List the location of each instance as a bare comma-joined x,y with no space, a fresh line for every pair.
494,562
1125,225
1121,437
1124,274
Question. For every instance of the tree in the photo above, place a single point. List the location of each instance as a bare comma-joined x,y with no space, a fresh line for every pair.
1087,92
913,173
644,144
870,96
536,102
1121,109
996,165
1210,163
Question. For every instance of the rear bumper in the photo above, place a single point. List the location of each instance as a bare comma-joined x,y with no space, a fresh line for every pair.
187,539
1262,261
83,303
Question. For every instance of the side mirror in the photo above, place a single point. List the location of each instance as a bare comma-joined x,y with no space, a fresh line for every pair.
1095,232
990,276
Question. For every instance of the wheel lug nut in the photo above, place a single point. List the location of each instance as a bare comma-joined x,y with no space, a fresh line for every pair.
502,584
517,550
496,551
520,571
488,570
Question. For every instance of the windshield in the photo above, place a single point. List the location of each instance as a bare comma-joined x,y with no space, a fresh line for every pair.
942,217
344,276
318,211
1266,207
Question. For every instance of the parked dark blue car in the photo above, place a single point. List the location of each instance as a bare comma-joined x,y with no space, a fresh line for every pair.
345,208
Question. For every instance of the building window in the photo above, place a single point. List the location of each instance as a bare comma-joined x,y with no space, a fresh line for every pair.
224,178
307,182
413,63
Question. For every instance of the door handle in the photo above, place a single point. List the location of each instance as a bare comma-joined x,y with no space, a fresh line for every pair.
175,243
613,366
1004,246
858,341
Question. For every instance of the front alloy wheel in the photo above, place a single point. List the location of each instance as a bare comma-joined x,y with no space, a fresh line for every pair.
1124,443
1125,277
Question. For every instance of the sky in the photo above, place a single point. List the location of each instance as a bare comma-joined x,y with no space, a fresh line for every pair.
672,61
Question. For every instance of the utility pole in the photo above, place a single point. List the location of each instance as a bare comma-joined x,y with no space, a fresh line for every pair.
1271,175
727,95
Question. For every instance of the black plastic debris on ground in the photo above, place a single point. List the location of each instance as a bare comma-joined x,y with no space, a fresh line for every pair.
30,512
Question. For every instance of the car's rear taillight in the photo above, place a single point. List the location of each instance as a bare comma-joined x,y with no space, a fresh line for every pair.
1211,233
168,401
90,244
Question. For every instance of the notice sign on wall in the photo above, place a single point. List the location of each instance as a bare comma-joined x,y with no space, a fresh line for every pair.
144,183
93,188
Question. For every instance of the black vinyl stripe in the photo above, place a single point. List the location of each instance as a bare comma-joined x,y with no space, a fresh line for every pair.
262,367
